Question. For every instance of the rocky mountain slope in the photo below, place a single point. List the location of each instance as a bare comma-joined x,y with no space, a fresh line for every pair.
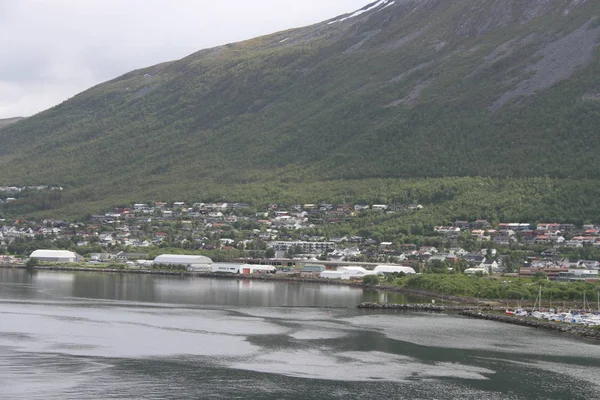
404,88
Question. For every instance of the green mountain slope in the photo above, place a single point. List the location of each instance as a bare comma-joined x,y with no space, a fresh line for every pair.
8,121
405,89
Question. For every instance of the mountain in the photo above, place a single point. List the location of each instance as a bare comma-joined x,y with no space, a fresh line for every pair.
7,121
399,89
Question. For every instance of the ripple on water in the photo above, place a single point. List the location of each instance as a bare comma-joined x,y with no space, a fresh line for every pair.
356,366
450,331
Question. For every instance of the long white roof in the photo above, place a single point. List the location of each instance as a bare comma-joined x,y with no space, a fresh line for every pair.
53,254
390,269
182,259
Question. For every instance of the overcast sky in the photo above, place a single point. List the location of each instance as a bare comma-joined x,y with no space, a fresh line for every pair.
51,50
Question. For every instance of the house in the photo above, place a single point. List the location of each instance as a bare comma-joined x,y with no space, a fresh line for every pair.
545,227
542,239
504,240
449,257
482,224
473,271
570,262
489,265
458,251
479,234
475,258
589,264
428,250
347,252
567,227
551,252
379,207
447,230
573,244
101,257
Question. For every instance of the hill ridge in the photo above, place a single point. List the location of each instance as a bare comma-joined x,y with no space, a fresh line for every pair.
404,89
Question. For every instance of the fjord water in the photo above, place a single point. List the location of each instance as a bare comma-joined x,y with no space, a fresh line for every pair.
66,335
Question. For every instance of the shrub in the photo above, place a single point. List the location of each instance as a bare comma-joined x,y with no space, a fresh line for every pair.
371,280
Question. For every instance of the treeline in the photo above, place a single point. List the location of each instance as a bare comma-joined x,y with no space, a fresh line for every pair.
503,288
445,200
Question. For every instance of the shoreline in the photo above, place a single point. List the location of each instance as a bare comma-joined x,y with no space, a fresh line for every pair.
479,309
572,329
490,313
260,277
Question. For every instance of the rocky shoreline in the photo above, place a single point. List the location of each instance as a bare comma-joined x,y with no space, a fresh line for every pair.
490,314
573,329
420,307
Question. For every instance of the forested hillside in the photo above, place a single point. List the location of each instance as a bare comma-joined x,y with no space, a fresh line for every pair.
404,89
7,121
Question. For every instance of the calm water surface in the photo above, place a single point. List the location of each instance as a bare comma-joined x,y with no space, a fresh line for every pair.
109,336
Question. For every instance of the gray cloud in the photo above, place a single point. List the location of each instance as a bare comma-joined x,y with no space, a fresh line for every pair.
51,50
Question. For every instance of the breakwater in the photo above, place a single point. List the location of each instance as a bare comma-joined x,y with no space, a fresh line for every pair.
420,307
534,323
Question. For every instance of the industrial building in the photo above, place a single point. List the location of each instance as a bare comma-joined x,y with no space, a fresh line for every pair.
245,269
56,256
192,263
307,247
574,275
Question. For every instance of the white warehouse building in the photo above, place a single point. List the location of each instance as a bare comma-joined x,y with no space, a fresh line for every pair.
390,269
192,263
55,256
347,273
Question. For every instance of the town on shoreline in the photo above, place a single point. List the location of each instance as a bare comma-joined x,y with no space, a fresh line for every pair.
336,241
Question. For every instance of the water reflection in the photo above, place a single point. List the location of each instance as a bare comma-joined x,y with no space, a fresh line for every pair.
54,346
182,290
111,286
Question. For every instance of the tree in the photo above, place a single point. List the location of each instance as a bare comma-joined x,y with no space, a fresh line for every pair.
539,276
371,280
32,262
270,253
